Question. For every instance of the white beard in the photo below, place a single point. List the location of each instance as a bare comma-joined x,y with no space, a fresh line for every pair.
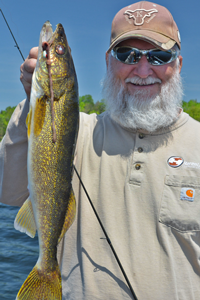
141,111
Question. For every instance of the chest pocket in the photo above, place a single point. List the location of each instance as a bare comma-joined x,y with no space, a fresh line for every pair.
182,215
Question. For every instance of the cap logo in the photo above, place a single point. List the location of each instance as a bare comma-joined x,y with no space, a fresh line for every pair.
139,15
175,161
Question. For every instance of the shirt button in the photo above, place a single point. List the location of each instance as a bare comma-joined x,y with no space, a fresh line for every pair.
141,135
138,166
140,149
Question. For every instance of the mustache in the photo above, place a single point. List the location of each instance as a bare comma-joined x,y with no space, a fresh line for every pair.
153,112
143,81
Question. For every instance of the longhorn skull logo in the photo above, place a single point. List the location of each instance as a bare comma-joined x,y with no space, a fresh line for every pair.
139,15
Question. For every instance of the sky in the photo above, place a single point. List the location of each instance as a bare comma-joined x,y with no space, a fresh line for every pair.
87,26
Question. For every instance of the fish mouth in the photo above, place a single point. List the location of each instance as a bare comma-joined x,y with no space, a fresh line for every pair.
46,33
46,41
47,36
60,30
53,56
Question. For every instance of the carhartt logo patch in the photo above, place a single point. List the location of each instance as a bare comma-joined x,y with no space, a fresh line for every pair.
175,161
187,194
139,15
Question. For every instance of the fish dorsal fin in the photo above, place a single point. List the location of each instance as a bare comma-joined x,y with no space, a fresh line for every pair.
25,221
70,215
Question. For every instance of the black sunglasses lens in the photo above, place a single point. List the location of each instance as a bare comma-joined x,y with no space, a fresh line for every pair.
128,55
158,57
132,55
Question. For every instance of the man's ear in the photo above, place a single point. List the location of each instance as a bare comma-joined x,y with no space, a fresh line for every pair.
180,63
107,58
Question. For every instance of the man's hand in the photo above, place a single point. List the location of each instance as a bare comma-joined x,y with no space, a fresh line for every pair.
27,69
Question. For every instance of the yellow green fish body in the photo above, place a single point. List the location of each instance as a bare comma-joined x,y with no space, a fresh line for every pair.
51,206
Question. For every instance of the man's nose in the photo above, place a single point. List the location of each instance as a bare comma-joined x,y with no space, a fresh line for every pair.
143,68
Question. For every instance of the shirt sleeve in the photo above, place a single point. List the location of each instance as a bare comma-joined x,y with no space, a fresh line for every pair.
13,158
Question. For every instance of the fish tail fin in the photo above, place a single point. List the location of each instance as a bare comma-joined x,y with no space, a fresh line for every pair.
39,285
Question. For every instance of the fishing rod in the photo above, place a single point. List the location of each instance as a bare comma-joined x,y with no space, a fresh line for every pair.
90,201
107,238
12,35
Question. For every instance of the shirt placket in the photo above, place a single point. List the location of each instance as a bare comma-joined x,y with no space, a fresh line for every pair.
138,161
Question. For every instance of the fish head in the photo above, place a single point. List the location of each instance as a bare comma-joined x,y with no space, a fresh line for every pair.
54,83
54,51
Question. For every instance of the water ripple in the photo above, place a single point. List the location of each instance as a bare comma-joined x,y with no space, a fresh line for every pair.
18,254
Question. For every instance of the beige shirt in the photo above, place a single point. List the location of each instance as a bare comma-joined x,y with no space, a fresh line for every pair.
146,189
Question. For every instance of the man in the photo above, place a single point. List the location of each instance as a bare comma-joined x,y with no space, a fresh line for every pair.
140,164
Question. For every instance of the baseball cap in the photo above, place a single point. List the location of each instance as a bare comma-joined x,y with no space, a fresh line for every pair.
147,21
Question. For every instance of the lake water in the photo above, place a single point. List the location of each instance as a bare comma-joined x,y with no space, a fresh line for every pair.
18,254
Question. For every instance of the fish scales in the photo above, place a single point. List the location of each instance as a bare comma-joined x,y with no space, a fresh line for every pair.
56,185
51,205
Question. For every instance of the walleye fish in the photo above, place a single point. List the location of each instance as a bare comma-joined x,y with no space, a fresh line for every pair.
50,208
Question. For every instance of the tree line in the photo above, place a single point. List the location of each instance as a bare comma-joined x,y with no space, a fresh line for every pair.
87,105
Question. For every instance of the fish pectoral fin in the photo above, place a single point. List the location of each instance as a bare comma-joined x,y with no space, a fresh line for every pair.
70,215
28,122
25,221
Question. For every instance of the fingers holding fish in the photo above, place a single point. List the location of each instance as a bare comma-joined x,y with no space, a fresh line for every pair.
27,69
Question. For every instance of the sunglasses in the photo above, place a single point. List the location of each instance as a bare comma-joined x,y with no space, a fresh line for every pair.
132,56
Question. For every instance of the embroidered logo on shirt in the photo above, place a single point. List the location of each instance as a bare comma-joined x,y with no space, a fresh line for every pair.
139,15
187,194
189,164
175,161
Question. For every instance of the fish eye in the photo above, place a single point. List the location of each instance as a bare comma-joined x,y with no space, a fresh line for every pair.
60,49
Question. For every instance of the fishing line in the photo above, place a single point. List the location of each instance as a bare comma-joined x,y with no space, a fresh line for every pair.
95,212
46,49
